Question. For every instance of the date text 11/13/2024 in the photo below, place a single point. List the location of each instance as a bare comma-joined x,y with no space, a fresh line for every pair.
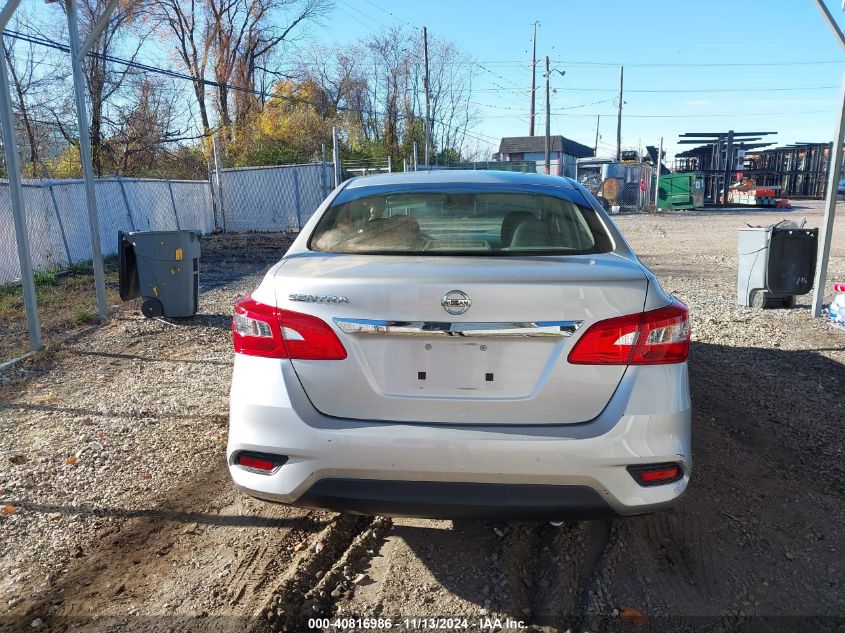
418,624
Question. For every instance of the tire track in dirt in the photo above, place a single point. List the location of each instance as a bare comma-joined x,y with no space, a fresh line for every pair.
547,577
174,563
322,573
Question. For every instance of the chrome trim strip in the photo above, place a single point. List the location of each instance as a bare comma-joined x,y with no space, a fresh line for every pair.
442,328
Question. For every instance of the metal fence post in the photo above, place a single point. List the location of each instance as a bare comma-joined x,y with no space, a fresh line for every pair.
126,204
10,147
657,175
389,163
85,143
336,157
61,224
173,202
416,154
296,200
325,178
218,177
211,191
833,175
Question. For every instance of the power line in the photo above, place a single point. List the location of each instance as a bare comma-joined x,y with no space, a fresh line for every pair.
512,62
574,107
366,15
358,20
671,90
178,75
390,13
711,90
695,64
505,79
673,116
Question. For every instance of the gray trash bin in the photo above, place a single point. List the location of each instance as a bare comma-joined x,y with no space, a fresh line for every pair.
776,263
163,268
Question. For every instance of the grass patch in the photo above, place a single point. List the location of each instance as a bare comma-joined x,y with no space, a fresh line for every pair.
66,303
83,317
81,268
46,278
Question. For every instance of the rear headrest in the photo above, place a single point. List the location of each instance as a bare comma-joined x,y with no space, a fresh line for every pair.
509,224
531,233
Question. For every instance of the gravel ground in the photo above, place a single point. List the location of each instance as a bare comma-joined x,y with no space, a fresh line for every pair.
120,514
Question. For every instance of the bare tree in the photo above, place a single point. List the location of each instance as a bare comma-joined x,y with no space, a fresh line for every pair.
146,126
122,34
192,32
32,76
388,84
450,90
338,71
246,32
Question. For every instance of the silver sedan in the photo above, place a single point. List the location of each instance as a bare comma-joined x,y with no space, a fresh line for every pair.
461,344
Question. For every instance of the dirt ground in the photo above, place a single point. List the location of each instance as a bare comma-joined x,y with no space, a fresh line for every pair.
116,511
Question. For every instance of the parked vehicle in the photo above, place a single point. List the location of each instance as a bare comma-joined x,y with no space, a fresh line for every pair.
461,344
616,183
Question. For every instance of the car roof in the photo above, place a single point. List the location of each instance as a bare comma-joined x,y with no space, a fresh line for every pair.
459,177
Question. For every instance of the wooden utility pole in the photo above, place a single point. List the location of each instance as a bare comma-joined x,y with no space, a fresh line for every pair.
533,83
548,122
427,110
596,147
619,116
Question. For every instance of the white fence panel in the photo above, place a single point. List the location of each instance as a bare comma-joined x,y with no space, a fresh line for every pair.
70,205
254,199
57,217
111,211
193,204
150,204
272,198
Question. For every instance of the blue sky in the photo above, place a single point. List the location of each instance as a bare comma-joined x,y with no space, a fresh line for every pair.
589,40
752,65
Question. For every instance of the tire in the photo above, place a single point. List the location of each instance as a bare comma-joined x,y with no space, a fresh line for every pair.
758,299
152,308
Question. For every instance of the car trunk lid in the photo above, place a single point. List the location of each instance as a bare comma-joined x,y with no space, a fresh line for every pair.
502,360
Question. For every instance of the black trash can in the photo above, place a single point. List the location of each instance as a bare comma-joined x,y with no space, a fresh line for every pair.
163,268
776,263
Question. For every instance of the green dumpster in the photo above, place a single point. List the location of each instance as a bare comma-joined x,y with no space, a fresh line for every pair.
681,191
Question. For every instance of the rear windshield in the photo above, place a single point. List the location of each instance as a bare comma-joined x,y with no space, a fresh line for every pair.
426,222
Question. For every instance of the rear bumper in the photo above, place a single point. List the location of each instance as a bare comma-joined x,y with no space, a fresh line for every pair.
450,471
448,500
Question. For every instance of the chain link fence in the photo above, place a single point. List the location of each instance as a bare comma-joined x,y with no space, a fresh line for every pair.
253,199
57,223
272,198
57,217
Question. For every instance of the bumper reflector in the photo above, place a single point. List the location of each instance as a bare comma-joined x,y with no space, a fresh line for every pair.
656,474
260,462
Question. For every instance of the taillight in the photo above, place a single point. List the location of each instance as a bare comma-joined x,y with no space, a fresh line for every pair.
255,329
262,330
656,474
651,338
264,463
